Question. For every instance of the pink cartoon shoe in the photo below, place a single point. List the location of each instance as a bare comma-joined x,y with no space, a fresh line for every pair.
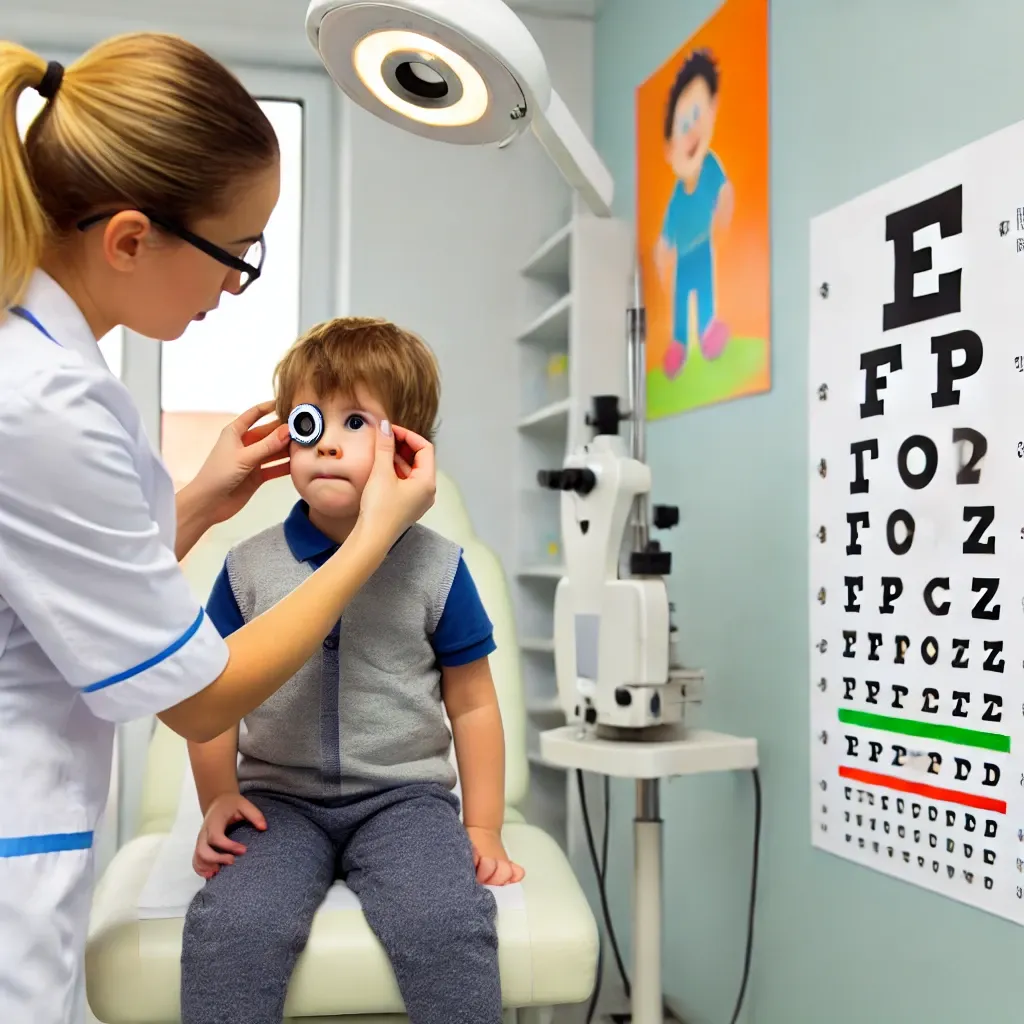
675,359
713,340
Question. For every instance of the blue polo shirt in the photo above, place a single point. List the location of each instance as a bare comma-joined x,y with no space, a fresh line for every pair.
464,632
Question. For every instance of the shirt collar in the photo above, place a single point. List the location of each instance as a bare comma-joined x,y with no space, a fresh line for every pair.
58,313
304,540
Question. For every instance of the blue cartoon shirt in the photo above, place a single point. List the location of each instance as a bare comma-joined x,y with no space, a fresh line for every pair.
688,216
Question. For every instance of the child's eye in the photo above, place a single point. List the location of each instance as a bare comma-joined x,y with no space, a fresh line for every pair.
696,114
355,422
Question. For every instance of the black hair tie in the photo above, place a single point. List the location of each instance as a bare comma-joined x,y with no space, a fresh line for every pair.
52,78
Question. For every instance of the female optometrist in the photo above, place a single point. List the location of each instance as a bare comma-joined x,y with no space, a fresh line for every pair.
140,195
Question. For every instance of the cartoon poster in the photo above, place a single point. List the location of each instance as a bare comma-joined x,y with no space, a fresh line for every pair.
702,215
916,527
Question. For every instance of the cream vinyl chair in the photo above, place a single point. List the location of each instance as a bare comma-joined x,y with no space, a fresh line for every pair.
547,940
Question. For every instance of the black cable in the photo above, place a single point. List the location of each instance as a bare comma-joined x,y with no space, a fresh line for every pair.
748,956
601,889
600,868
602,875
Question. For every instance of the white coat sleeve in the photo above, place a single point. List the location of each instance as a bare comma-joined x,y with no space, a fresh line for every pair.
82,562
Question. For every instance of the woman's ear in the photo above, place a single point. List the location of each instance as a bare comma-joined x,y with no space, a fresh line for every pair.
123,239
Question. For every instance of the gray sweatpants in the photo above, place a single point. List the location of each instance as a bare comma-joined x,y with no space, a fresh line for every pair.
407,857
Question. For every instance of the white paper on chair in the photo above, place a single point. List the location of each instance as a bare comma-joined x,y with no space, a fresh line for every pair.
172,883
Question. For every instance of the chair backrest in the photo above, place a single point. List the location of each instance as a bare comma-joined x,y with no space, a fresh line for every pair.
449,518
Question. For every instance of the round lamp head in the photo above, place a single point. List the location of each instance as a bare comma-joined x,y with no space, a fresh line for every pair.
463,71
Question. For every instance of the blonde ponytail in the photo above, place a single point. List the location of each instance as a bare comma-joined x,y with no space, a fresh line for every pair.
144,121
23,221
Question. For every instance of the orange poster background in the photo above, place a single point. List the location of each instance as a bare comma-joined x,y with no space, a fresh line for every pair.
737,36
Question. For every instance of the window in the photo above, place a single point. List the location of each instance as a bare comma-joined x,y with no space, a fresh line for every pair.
224,364
112,344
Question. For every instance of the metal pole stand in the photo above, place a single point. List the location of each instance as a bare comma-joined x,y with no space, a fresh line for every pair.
693,752
647,1003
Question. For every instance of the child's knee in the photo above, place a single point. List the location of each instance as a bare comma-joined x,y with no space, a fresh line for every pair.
458,915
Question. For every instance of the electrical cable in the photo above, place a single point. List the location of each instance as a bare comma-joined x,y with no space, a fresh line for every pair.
601,868
748,956
601,888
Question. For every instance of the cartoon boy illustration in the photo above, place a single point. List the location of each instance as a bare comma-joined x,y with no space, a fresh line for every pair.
701,201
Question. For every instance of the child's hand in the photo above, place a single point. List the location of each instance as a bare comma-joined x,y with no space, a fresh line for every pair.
492,864
213,848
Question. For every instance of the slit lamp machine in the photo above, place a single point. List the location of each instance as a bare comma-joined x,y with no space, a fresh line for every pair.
469,72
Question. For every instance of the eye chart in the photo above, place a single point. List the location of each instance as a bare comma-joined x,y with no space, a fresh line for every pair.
916,467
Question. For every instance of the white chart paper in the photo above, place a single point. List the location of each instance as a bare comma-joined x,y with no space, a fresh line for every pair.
916,468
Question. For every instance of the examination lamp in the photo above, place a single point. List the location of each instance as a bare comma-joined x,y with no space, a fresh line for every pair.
461,71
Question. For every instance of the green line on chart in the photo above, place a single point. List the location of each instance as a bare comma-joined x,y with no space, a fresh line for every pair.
926,730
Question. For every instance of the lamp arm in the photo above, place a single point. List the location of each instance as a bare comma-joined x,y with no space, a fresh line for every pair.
574,156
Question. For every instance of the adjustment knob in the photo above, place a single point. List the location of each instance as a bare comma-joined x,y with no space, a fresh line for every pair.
651,562
550,478
582,481
665,517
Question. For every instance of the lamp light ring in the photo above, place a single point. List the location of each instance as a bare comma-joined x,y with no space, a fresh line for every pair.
403,73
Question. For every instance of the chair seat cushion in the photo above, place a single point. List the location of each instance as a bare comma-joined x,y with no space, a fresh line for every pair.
547,944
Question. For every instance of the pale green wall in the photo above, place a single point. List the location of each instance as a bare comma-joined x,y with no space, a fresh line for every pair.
860,93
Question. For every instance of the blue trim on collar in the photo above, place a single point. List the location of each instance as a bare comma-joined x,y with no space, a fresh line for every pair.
304,540
24,314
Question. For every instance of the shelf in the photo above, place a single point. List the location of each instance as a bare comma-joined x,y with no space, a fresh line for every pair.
684,752
551,260
551,329
550,416
541,572
537,645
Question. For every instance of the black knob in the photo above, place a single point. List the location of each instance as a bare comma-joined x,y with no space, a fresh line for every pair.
652,562
550,478
582,481
665,517
605,415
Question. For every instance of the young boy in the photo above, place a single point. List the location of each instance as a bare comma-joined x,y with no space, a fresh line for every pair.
345,771
701,203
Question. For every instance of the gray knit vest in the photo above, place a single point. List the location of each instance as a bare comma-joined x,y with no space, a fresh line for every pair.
365,712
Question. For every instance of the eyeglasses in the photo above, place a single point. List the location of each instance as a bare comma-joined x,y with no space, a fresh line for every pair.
248,268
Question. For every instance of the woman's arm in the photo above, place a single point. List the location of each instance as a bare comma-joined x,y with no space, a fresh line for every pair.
269,649
193,520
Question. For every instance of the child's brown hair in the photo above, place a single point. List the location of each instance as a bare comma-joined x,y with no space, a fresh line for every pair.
339,355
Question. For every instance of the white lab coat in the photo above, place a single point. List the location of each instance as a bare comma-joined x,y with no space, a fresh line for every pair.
97,626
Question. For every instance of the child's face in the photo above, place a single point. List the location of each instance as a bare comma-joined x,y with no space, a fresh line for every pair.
330,475
692,128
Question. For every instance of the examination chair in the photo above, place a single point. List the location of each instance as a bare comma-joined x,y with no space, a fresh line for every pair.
547,934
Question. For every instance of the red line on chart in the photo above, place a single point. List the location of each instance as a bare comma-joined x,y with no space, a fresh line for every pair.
950,796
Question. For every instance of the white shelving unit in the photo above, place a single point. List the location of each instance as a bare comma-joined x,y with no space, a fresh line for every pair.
577,287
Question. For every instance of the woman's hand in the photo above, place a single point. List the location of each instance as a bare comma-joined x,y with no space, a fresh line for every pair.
402,483
244,457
